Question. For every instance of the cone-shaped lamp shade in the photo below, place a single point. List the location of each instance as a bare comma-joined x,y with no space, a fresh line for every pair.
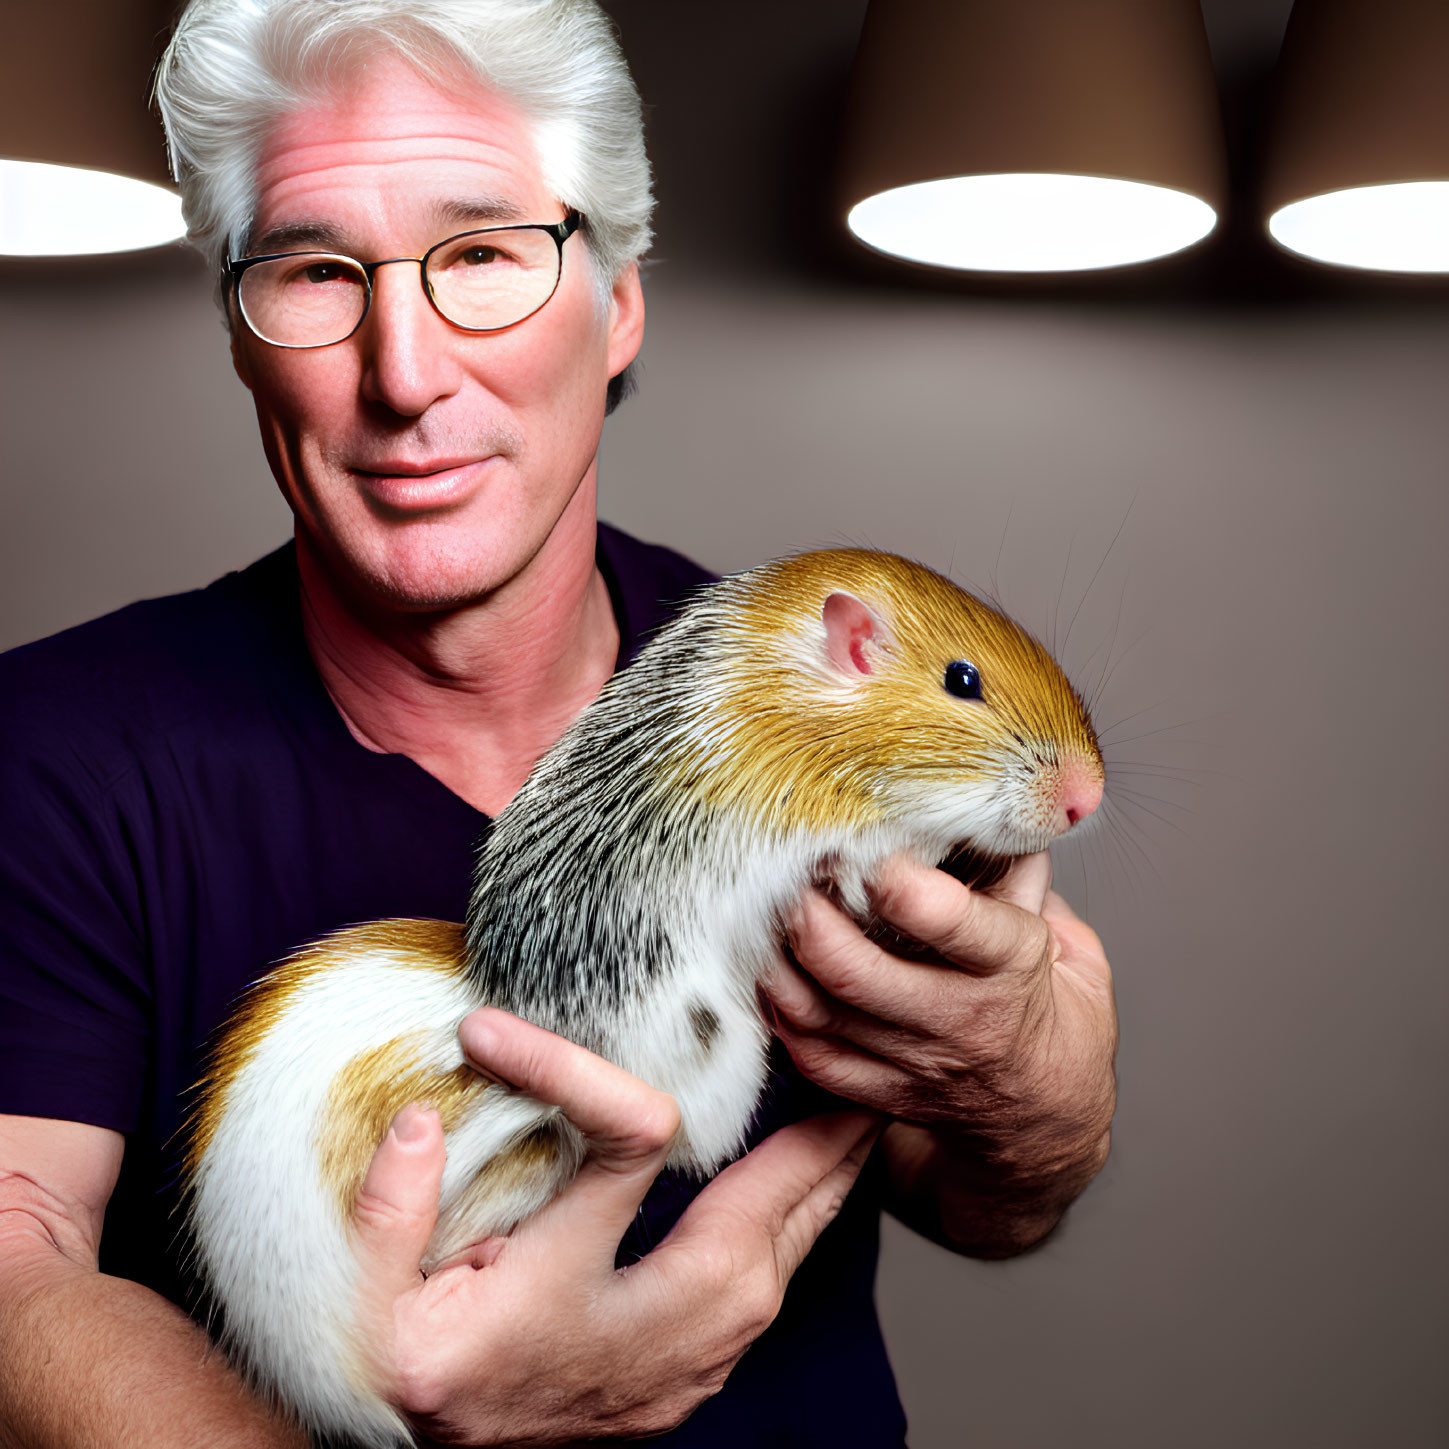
1358,170
82,160
1032,135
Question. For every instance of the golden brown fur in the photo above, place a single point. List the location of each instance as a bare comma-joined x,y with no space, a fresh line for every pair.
424,945
816,758
368,1093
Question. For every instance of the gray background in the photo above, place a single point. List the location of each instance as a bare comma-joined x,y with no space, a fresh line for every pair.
1229,471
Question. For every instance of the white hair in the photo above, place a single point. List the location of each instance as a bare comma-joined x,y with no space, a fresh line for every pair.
235,68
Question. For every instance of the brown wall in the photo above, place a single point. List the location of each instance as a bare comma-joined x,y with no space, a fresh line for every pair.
1263,1261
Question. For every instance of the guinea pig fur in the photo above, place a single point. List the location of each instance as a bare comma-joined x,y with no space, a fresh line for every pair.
795,724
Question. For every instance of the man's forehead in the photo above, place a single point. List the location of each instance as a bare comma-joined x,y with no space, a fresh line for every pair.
396,144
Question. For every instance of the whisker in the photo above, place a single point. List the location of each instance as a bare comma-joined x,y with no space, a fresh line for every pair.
1113,664
1146,709
1162,730
996,562
1057,612
1141,782
1132,829
1100,566
1137,864
1153,770
1138,802
1126,865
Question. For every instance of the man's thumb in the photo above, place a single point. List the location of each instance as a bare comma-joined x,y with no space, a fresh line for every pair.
397,1205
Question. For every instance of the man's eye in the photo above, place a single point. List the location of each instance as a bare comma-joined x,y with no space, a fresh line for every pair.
480,256
319,272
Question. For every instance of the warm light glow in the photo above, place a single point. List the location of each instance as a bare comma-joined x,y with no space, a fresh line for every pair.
1399,228
1031,222
59,211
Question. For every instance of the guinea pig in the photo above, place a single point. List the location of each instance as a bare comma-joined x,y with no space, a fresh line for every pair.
795,725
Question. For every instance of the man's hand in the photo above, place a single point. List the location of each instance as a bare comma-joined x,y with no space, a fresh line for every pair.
538,1338
995,1055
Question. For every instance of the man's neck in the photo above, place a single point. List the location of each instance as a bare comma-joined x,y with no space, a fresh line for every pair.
476,694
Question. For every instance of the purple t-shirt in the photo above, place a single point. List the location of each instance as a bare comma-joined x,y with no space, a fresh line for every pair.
183,807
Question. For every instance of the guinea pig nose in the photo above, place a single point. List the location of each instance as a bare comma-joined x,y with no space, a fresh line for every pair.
1081,794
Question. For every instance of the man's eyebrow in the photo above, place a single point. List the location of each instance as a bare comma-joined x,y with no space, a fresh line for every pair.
466,212
290,236
481,209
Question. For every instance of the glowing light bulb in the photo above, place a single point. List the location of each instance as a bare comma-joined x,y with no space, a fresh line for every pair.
1031,222
1400,227
54,211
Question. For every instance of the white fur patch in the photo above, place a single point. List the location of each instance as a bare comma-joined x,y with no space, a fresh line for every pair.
268,1236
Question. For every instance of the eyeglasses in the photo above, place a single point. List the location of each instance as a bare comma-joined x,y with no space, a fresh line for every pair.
479,281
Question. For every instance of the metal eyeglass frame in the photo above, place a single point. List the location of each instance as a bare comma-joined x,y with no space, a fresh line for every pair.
560,231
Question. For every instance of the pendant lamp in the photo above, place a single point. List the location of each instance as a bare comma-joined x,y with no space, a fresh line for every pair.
1357,173
82,160
1032,135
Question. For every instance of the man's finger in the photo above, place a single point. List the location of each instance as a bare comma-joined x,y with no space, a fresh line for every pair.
1026,883
779,1197
613,1108
857,1074
831,950
629,1124
1081,947
795,997
799,1005
397,1205
973,935
970,929
1056,908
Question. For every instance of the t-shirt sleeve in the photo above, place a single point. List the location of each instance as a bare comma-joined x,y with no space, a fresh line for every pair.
75,1001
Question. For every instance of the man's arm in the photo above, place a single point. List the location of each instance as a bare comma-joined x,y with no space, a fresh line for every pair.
92,1360
996,1058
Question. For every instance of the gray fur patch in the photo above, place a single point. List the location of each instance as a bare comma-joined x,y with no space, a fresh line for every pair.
705,1021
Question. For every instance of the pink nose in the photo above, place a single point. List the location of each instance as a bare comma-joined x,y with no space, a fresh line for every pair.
1081,794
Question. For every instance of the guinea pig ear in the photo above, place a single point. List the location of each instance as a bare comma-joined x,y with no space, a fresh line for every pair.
855,635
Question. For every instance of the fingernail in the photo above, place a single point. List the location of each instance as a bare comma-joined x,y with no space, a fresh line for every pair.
481,1040
798,915
482,1037
785,997
410,1125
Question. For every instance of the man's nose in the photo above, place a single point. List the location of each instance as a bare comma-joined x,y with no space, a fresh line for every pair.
408,357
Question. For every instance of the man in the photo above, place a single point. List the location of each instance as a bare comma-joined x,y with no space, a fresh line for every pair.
318,739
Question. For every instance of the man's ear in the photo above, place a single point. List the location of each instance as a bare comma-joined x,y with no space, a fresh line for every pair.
626,319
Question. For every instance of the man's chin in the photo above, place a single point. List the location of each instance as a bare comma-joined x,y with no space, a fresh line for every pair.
422,569
435,594
413,586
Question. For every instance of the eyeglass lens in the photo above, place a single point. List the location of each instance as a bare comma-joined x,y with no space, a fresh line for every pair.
479,280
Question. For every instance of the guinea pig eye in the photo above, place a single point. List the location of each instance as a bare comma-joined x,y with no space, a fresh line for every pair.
963,680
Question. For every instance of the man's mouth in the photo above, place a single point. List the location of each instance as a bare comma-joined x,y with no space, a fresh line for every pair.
406,468
401,485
